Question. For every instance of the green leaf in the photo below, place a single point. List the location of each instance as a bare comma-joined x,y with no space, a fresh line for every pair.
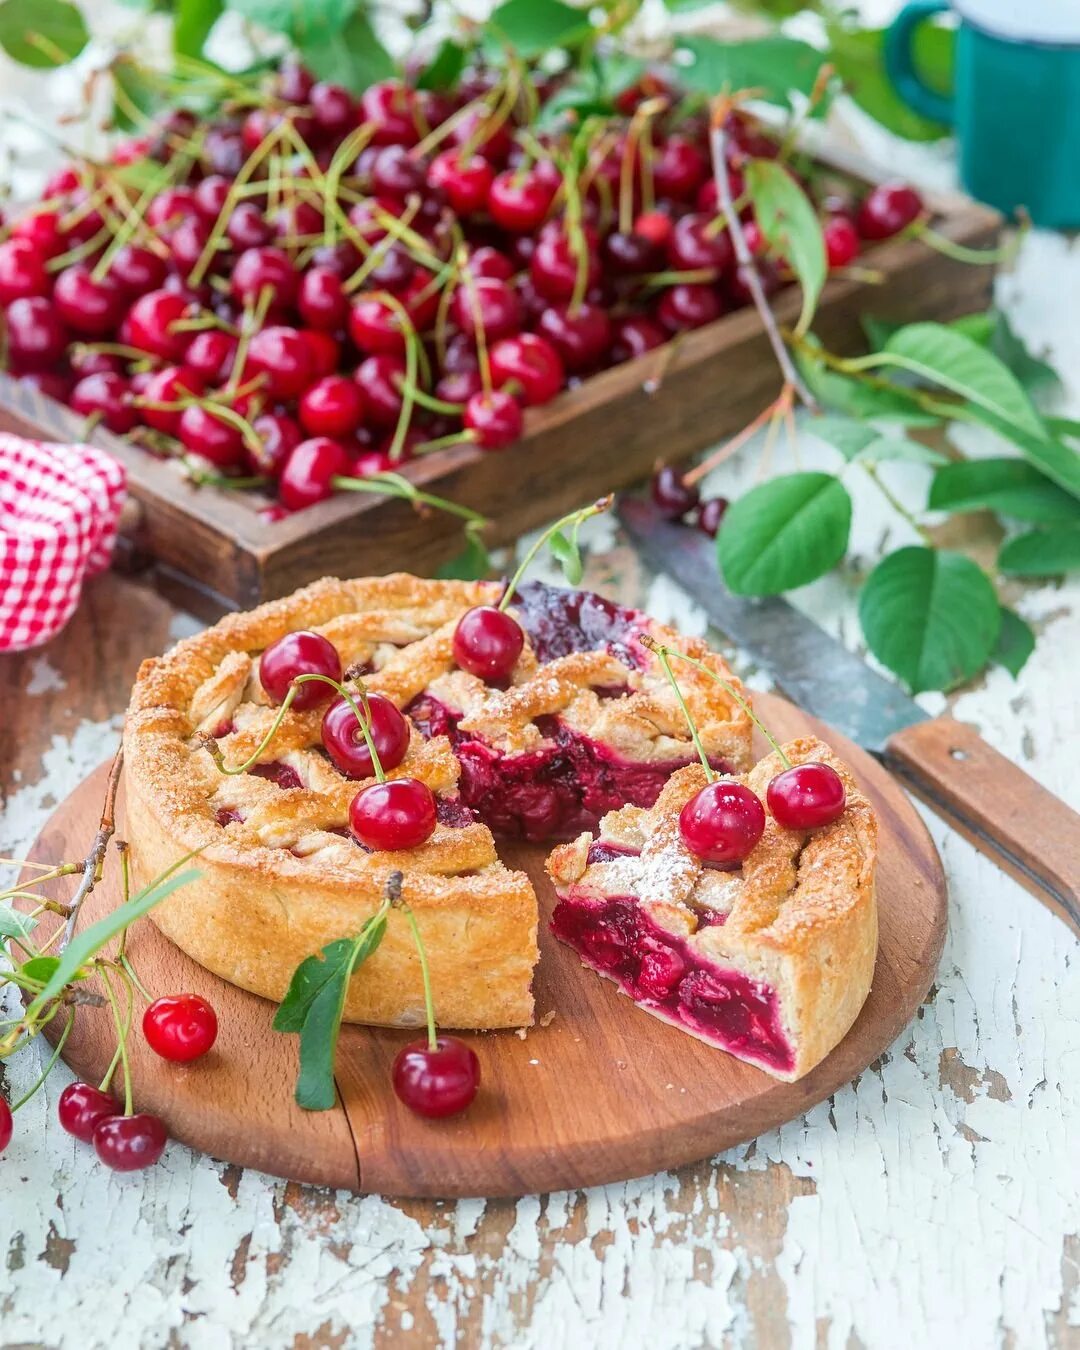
42,33
862,442
40,968
942,356
90,941
14,924
136,98
301,20
1011,487
192,25
1015,643
784,533
533,27
1032,372
353,56
568,556
859,400
774,67
445,67
1042,553
790,225
1056,460
857,55
313,1007
472,564
931,617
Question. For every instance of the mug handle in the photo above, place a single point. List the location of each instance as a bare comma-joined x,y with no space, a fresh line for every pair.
900,61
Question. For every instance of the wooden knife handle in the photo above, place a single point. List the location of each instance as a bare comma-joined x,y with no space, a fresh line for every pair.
992,802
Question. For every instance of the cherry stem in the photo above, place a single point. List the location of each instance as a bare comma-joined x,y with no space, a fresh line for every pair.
432,404
575,520
940,243
49,1066
661,654
780,406
123,1029
397,485
478,321
425,973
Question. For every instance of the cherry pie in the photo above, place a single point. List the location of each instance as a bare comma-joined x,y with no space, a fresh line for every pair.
587,724
771,961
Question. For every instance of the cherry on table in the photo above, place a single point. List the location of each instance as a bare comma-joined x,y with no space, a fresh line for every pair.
397,814
722,823
307,475
488,642
130,1143
532,363
439,1082
675,497
345,743
494,418
887,209
300,653
806,796
180,1027
710,514
82,1108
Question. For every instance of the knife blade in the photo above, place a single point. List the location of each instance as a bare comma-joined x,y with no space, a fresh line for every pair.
1004,812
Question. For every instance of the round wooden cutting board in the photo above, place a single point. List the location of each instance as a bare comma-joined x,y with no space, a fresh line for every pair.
597,1091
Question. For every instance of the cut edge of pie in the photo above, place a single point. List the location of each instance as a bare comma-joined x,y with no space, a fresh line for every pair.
281,878
771,962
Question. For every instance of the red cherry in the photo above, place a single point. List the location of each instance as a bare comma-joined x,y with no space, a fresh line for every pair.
7,1124
475,129
887,209
282,355
300,653
632,253
259,269
211,436
42,230
722,823
806,797
375,326
136,270
211,195
307,475
678,169
675,497
466,182
170,385
380,378
170,207
22,271
332,107
487,303
656,226
689,305
555,262
488,642
324,351
180,1027
494,419
635,335
294,83
82,1108
389,108
150,325
397,814
332,407
345,743
519,199
278,436
700,241
248,228
129,1143
841,241
396,173
322,301
36,339
530,361
711,514
439,1082
210,354
458,386
489,262
187,242
581,335
106,394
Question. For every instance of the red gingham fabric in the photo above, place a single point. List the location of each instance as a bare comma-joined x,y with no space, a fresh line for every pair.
59,508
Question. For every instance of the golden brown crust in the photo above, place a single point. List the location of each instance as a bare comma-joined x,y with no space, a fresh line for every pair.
279,881
800,914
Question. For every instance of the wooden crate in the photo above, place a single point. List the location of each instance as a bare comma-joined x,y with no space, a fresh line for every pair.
604,435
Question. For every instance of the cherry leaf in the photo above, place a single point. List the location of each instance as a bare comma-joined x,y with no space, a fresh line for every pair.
42,33
790,225
1010,487
932,617
471,564
774,67
351,55
445,67
861,442
568,556
1042,553
14,924
1015,643
192,25
533,27
784,533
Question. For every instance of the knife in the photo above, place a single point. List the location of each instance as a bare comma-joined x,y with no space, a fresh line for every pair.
992,802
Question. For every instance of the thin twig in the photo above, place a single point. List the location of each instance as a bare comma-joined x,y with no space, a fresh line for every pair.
745,259
96,857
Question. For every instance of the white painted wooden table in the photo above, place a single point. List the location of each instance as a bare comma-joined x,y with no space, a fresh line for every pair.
933,1203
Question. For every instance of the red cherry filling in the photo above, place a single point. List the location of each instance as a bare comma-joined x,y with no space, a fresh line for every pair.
439,1082
345,743
397,814
300,653
129,1143
180,1027
82,1108
488,642
722,823
806,797
665,974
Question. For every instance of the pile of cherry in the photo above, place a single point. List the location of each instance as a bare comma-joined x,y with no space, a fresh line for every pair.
323,286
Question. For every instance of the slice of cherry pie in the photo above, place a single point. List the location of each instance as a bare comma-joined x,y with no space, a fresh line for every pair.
586,724
771,961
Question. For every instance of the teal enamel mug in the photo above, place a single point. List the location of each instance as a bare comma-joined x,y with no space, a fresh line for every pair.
1015,104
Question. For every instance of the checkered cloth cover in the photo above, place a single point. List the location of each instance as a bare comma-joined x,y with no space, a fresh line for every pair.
59,508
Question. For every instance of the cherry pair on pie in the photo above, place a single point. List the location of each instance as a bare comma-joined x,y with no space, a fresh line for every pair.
587,738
